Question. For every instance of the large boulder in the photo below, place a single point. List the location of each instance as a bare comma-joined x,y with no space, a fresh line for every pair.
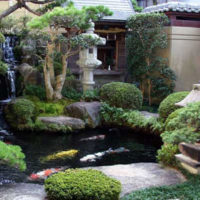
89,112
73,123
30,74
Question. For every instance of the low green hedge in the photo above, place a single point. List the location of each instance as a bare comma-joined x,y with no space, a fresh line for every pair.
167,106
121,95
78,184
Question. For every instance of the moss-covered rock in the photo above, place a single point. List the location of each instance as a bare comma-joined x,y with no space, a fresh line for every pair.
122,95
168,106
82,185
20,113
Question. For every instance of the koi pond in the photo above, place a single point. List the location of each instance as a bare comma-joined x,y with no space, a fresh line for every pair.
89,148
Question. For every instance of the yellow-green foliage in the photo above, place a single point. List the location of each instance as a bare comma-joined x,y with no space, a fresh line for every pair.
79,184
60,155
12,155
50,108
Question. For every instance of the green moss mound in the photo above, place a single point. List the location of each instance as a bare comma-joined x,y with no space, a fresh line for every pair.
122,95
167,105
77,184
20,113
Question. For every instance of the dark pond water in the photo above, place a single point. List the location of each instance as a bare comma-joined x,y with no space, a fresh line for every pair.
142,149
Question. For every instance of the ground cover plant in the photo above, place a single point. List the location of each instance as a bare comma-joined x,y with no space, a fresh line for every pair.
185,191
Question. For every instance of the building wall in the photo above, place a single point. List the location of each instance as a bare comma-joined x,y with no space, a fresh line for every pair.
183,53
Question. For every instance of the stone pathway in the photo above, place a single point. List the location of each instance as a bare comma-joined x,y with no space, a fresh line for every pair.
133,177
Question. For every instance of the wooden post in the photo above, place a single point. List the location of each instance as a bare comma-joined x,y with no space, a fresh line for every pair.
117,54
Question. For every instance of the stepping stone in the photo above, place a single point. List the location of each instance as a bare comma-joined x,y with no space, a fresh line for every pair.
22,191
141,175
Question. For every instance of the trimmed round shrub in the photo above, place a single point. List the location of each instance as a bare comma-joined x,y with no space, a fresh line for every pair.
122,95
20,112
167,106
78,184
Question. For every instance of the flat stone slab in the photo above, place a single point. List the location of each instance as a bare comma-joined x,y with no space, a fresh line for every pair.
149,115
22,191
141,175
74,123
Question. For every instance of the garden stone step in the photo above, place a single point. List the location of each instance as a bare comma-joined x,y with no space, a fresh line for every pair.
73,123
190,150
189,164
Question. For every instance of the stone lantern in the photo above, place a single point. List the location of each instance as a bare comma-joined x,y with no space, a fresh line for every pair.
88,61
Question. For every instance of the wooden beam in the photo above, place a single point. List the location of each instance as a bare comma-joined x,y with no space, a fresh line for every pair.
114,30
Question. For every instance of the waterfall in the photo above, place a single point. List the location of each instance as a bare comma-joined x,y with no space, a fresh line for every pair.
7,83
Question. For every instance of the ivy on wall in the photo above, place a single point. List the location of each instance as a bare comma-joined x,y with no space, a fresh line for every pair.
149,70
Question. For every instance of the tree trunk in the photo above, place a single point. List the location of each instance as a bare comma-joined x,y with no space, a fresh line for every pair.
60,80
50,48
47,81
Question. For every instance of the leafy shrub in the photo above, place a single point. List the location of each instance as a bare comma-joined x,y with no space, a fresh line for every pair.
122,95
167,106
111,115
35,90
83,185
173,115
91,95
184,127
12,155
71,94
166,155
151,71
20,112
132,119
3,68
135,119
